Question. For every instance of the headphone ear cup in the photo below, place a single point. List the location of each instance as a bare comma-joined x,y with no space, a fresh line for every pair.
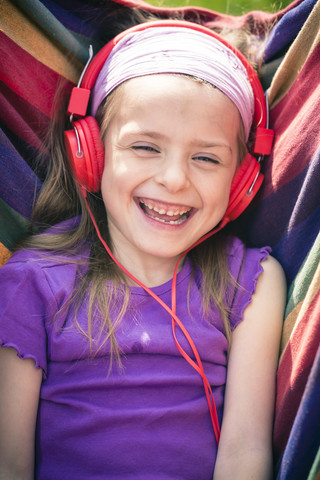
245,185
96,149
86,153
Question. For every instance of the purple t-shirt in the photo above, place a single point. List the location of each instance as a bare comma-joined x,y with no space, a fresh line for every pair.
149,419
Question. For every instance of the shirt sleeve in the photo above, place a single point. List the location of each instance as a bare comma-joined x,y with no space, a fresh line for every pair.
246,267
26,304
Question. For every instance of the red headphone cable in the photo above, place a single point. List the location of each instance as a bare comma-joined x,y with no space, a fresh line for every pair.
175,320
78,106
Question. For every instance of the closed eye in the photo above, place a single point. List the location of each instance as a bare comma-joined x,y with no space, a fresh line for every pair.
145,148
203,158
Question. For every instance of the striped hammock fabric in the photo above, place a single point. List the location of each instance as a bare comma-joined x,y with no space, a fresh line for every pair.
37,41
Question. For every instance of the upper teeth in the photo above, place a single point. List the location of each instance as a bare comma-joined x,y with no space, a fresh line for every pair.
162,211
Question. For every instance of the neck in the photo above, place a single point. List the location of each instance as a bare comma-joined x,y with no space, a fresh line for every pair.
151,272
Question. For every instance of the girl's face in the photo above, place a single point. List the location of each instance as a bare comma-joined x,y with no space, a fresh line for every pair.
171,152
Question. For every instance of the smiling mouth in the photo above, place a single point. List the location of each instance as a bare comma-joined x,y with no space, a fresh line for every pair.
170,215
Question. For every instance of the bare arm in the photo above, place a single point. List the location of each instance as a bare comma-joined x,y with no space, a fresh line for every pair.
245,449
19,397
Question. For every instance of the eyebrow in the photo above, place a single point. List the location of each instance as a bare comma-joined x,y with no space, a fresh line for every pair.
204,144
145,133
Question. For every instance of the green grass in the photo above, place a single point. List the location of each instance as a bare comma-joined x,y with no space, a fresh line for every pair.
232,7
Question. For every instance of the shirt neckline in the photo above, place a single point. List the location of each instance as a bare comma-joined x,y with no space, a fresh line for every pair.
165,287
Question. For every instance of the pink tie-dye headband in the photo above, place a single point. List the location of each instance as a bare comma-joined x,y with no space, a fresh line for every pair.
177,50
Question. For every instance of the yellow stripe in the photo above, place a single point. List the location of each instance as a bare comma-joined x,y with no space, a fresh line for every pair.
29,36
5,254
297,314
297,55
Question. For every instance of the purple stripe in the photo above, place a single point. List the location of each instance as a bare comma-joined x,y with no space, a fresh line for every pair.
304,440
18,183
292,250
287,29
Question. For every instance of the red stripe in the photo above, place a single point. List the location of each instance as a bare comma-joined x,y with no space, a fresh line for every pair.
294,371
27,77
22,118
295,121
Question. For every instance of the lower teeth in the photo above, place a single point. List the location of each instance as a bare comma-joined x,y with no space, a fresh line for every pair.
162,220
171,222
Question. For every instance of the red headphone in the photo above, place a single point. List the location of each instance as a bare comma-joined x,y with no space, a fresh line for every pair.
86,155
86,152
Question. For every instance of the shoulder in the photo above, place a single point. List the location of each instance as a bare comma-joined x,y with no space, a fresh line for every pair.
36,275
243,260
236,248
273,273
28,259
248,267
265,311
271,288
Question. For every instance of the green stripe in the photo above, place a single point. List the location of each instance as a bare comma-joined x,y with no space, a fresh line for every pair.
315,470
301,283
54,29
12,225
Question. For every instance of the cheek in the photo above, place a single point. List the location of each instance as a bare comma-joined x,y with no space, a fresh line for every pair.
111,172
108,186
216,199
218,189
105,180
116,185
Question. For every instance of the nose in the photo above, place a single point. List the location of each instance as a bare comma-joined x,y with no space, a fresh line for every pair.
173,173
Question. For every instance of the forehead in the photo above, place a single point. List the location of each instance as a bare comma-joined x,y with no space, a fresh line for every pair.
175,92
164,84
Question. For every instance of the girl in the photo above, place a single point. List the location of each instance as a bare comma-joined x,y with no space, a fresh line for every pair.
119,320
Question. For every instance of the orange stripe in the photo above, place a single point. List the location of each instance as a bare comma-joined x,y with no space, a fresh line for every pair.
5,254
